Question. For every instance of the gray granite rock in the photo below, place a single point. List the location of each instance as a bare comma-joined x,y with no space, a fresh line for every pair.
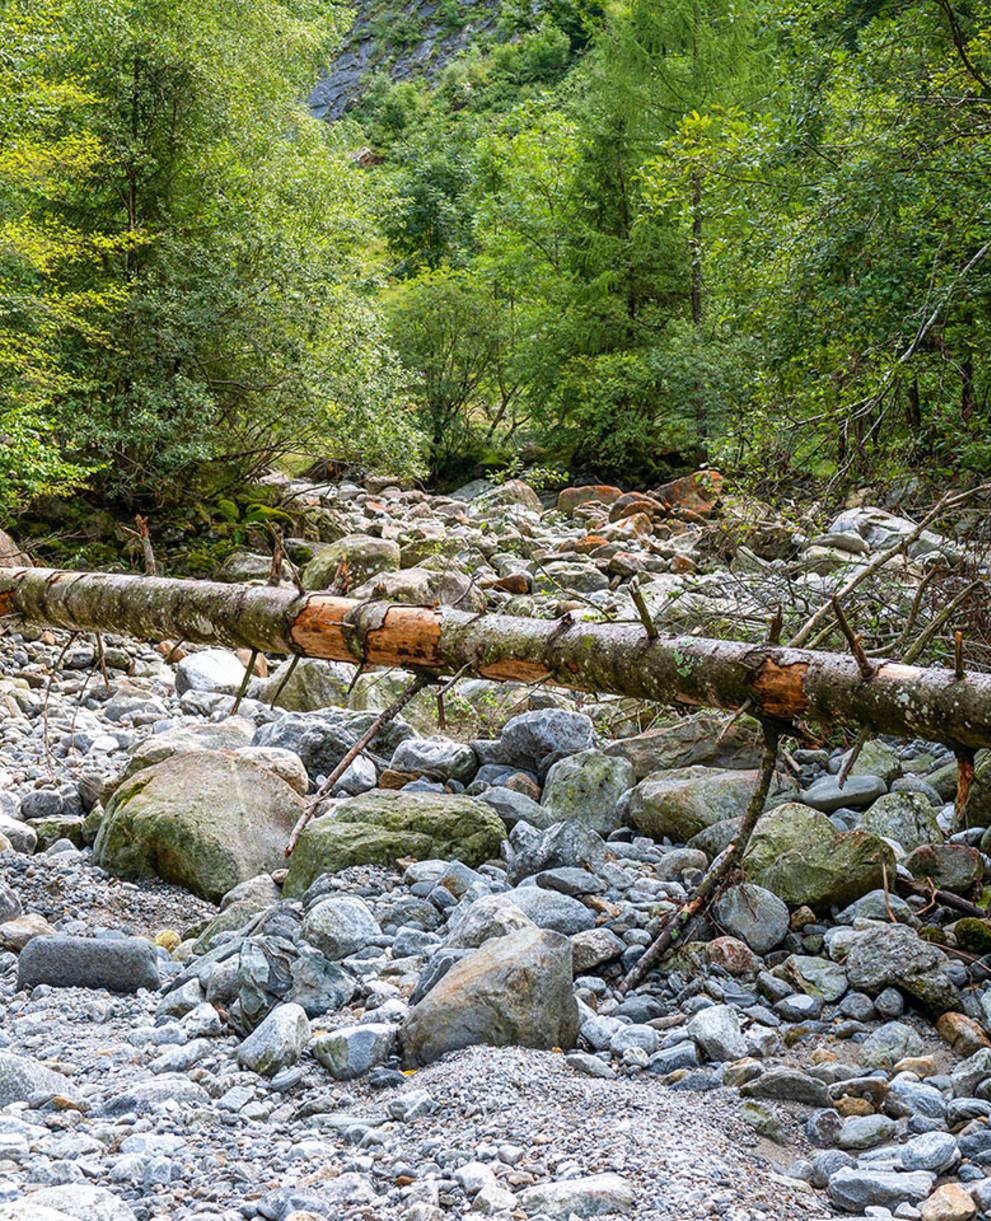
119,964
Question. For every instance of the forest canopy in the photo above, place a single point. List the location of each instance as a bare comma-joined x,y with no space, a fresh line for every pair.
617,241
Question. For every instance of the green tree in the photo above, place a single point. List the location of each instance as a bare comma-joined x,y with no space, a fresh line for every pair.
47,154
243,230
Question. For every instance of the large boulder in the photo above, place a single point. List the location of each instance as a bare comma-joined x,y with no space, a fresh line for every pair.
704,738
205,820
907,818
587,787
799,855
681,802
309,684
513,990
532,736
365,556
322,740
231,734
423,587
209,670
893,955
379,828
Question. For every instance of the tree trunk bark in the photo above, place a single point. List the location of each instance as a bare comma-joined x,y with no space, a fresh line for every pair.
779,683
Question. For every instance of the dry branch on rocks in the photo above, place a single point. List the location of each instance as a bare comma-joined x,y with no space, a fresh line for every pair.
780,684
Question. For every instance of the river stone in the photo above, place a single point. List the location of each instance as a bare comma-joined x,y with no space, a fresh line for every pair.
513,807
10,904
799,855
908,818
596,1195
379,828
550,909
20,1077
322,740
365,557
827,796
513,990
209,670
888,1044
28,1210
81,1202
488,917
340,926
205,820
565,844
11,556
953,867
284,763
438,758
276,1042
703,738
21,836
119,964
231,734
753,914
587,787
312,683
855,1189
423,586
562,577
716,1030
865,1131
531,736
681,802
875,758
352,1051
273,970
594,947
893,955
817,976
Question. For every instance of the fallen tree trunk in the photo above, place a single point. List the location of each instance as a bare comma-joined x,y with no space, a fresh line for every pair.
781,684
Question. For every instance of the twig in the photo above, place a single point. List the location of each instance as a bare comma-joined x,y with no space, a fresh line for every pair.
949,501
284,679
641,605
948,899
856,647
248,670
416,685
102,660
144,538
723,863
887,897
958,656
924,637
774,627
851,758
48,692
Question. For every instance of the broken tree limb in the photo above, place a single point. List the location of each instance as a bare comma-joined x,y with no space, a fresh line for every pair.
782,683
724,863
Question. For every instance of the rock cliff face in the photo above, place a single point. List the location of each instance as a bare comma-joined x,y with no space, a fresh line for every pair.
417,39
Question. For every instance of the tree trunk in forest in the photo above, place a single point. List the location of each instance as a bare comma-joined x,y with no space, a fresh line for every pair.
778,683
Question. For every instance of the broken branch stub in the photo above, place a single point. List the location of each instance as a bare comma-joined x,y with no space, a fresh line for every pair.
781,683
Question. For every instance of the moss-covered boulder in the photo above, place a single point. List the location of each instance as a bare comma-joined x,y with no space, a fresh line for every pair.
379,828
799,855
907,818
587,787
365,557
231,734
205,820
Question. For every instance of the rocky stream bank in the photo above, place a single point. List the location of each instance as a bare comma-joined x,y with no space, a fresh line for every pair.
419,1017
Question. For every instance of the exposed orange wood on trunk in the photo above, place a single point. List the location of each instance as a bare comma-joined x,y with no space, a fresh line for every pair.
317,630
409,635
780,690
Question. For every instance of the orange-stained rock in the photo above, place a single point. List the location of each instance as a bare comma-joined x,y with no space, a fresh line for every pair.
848,1105
698,492
515,583
260,667
681,563
962,1033
591,542
732,955
632,503
570,498
637,526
